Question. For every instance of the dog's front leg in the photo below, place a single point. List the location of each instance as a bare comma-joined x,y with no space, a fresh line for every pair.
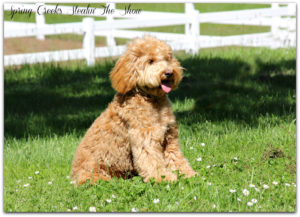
147,153
173,155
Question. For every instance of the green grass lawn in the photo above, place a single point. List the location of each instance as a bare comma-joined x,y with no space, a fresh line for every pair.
236,110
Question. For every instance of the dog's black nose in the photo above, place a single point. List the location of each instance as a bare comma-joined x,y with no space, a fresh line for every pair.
168,74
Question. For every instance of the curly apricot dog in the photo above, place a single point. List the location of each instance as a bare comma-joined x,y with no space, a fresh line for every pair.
137,133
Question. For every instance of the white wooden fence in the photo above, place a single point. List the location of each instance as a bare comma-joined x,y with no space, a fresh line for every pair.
281,19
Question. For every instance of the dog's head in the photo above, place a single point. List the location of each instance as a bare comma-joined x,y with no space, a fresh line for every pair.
149,64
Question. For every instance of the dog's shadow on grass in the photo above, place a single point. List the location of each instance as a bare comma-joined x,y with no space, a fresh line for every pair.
43,100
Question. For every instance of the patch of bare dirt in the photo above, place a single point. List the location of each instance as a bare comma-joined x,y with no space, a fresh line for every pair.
292,168
272,153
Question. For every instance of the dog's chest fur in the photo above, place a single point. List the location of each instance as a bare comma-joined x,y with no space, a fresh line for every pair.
140,111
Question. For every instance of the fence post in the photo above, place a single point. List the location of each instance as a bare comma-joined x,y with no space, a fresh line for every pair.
40,21
192,28
292,12
292,27
89,40
109,37
275,27
188,25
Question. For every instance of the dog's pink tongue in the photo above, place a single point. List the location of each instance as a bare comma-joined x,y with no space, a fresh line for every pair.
166,87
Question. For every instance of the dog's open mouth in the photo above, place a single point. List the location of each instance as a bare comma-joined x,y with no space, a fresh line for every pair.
166,86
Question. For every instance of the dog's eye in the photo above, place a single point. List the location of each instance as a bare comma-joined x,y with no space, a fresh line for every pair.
151,61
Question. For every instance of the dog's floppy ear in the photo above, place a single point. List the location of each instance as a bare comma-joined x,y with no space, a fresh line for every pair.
123,75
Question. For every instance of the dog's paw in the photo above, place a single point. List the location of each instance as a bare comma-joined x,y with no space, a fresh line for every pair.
190,174
170,177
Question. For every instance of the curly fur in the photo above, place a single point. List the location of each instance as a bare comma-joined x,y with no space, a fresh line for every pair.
137,133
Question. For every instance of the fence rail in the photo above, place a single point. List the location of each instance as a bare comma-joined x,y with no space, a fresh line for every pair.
281,19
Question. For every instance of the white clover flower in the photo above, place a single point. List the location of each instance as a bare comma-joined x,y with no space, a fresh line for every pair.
113,196
232,190
275,183
265,186
287,184
26,185
75,208
249,204
108,200
252,186
134,210
195,198
92,209
214,206
67,177
202,144
199,159
156,201
49,183
37,172
254,200
245,192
